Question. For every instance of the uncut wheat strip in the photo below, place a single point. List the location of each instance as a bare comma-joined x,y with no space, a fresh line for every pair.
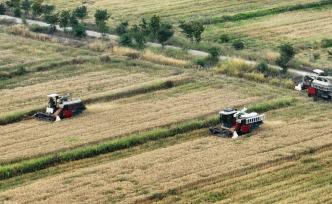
141,162
289,189
274,190
211,172
313,194
253,181
196,192
94,127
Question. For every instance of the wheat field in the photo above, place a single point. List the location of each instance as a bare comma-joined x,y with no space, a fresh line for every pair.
203,163
101,121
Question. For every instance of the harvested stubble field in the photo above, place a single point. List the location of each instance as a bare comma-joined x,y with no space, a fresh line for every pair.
175,9
206,165
108,120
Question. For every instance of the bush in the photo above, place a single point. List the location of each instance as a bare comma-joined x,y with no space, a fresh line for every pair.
238,44
200,62
258,77
125,40
39,29
325,43
79,30
262,67
224,38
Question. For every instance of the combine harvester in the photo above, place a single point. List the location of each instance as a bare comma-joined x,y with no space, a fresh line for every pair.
234,123
318,85
60,107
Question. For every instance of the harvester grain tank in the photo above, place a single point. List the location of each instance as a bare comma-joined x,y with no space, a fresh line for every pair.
60,107
234,123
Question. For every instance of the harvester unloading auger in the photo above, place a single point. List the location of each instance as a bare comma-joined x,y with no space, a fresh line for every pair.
60,107
234,123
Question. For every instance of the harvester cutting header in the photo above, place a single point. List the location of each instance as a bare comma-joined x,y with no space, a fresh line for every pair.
60,107
318,85
234,123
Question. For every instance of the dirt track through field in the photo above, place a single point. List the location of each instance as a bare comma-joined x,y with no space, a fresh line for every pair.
143,175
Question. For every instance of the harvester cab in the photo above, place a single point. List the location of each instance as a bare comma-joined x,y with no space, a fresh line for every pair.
234,123
317,85
60,107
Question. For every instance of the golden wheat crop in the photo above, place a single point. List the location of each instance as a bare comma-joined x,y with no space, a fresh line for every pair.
182,166
102,121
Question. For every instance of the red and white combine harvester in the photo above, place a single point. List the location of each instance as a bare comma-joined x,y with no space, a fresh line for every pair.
60,107
318,85
234,123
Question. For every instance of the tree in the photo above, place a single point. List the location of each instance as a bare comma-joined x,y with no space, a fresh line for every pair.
81,12
187,30
12,4
52,19
14,7
73,21
64,19
193,30
26,6
2,8
36,8
154,26
144,26
287,53
47,9
101,16
138,37
198,28
165,33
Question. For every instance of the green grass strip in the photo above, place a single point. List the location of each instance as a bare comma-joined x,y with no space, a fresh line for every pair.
147,88
266,12
20,115
35,164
